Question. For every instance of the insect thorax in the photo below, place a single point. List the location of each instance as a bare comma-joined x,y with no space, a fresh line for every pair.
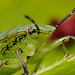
28,43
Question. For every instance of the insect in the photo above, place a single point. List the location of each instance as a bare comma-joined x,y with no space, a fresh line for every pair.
25,40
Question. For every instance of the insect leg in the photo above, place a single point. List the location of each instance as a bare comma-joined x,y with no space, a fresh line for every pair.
46,48
3,63
65,50
22,63
60,42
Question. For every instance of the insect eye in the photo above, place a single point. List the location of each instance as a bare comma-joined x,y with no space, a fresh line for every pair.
30,30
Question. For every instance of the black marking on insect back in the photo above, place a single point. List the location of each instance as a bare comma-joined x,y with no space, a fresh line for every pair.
19,38
9,45
3,50
9,36
12,43
7,48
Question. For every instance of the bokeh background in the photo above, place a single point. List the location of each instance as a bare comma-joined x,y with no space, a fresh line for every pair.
42,11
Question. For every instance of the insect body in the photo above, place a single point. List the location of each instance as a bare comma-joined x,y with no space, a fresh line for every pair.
25,39
27,42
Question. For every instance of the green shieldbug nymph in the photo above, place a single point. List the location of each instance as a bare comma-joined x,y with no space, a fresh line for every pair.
26,39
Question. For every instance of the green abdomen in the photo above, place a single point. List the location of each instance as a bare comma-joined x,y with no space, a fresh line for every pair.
21,40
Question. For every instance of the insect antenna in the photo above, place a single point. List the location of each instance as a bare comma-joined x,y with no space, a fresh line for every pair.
33,22
65,18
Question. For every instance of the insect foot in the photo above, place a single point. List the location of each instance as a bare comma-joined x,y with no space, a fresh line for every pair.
3,63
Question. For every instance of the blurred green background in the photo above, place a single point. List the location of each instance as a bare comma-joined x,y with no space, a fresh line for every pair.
42,11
